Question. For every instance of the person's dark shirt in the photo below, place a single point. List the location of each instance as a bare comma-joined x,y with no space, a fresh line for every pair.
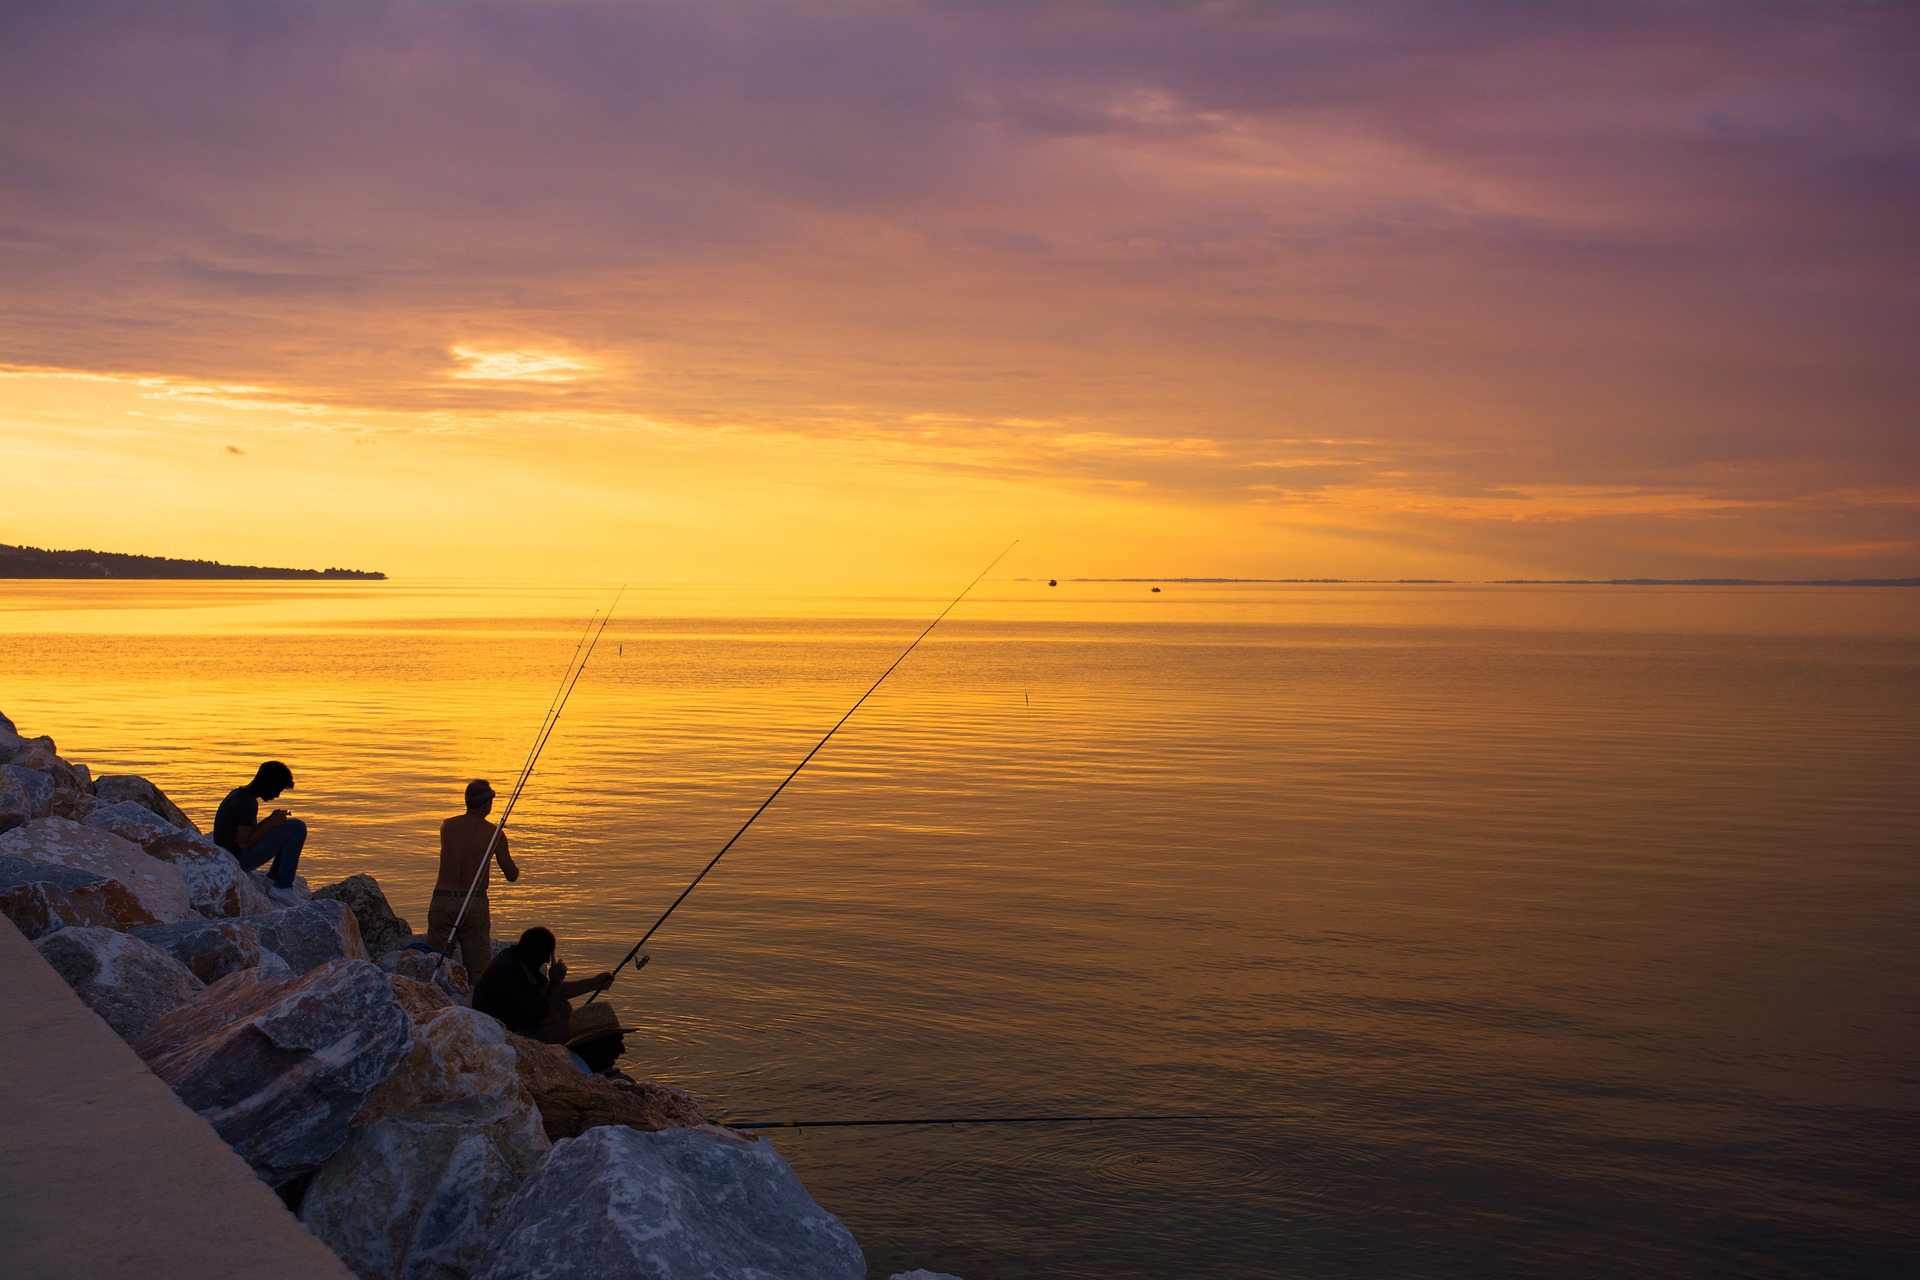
514,994
241,808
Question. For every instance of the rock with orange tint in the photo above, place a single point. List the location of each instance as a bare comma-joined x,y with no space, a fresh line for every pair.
40,899
444,972
157,888
380,929
69,803
38,786
571,1102
460,1070
115,787
217,885
214,948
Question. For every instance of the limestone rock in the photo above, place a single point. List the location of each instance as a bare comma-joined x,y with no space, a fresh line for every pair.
43,900
406,1200
215,882
922,1273
16,806
72,804
35,753
460,1070
675,1205
380,929
280,1068
115,787
91,899
213,948
131,984
310,934
38,784
155,885
444,972
572,1102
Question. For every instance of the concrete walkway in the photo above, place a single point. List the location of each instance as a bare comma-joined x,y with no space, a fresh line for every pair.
103,1172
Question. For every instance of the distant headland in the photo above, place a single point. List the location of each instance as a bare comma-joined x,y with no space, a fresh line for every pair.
33,562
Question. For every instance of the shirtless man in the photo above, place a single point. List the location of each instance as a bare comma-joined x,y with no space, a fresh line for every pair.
463,853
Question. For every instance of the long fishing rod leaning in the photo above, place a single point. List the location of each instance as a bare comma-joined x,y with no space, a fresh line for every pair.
562,696
624,960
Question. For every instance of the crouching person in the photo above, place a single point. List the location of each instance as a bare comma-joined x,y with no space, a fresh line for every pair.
239,829
526,988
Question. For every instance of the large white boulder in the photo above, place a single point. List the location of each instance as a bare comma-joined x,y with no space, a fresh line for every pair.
60,842
678,1204
461,1069
280,1068
131,984
410,1200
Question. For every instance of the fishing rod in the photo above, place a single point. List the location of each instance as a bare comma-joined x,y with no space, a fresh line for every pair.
548,723
866,1124
626,959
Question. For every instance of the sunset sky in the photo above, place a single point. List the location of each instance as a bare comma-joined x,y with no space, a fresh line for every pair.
840,292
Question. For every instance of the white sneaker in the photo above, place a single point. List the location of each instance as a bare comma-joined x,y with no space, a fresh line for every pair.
288,897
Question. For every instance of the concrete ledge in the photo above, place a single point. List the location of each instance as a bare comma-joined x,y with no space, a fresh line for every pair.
104,1172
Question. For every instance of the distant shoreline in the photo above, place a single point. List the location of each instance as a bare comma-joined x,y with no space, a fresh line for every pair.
1534,582
34,562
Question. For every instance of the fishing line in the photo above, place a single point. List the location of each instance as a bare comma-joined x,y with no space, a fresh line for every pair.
867,1124
548,723
624,960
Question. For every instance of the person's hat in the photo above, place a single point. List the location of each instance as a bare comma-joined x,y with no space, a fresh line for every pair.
595,1020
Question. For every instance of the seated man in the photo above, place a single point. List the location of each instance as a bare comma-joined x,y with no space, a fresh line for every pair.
237,827
527,1000
599,1040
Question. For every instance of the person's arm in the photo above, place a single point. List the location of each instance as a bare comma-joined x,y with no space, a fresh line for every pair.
560,990
505,859
245,836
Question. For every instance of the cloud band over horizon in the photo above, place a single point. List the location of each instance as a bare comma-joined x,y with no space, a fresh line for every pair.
1346,290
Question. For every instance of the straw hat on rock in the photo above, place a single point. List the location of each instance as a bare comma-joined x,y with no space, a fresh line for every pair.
595,1020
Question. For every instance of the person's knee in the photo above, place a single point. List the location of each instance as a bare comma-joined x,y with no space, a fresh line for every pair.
295,827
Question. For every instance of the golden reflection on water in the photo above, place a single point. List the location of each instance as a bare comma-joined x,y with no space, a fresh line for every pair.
1518,911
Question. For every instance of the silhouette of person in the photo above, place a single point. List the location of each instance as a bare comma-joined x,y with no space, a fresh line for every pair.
463,858
528,994
238,828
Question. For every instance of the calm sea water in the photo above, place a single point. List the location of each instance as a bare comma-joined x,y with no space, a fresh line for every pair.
1559,931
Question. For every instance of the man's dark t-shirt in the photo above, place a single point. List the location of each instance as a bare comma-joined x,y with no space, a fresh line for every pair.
513,993
241,808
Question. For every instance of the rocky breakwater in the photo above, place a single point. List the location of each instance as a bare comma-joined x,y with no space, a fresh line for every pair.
416,1138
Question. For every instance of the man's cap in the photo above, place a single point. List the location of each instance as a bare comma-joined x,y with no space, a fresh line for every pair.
590,1022
479,789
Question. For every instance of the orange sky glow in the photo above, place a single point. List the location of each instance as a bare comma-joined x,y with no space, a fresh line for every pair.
846,292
